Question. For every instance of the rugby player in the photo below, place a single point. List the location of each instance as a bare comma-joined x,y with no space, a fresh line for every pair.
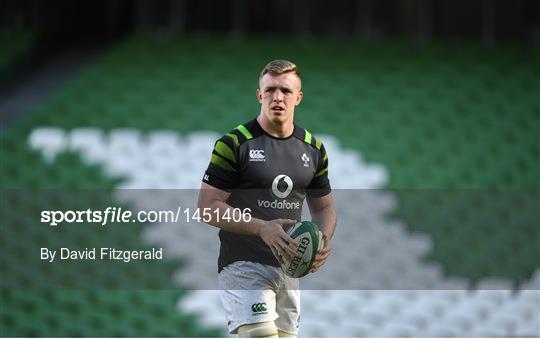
269,165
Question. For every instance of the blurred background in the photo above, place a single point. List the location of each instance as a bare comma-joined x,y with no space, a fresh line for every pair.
430,108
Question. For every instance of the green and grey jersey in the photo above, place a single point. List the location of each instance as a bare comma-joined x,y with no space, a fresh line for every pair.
270,176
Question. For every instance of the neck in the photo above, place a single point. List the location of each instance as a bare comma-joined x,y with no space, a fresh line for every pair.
276,129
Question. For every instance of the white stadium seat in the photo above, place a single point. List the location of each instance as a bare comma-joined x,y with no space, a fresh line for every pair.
49,140
385,255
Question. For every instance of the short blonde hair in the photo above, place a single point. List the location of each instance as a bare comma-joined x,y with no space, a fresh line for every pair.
278,67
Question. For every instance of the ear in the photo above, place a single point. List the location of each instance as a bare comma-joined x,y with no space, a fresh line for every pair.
259,95
299,97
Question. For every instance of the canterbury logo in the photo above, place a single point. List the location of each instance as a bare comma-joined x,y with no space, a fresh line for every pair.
259,308
256,155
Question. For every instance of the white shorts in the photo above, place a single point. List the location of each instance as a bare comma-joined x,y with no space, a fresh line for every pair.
253,293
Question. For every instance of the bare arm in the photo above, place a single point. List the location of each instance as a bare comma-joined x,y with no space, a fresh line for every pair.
271,232
323,213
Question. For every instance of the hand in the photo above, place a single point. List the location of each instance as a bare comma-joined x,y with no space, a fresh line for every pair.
281,244
322,255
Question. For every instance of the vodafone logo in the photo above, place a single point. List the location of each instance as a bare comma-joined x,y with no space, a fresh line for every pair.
275,186
256,155
281,188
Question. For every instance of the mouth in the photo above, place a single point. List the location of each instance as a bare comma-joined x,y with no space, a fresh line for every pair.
277,108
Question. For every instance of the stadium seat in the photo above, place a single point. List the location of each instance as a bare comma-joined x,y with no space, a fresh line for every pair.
50,141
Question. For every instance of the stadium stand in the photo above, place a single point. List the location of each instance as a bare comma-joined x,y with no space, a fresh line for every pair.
15,43
145,116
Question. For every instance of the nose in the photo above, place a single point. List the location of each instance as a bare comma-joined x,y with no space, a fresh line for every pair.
278,96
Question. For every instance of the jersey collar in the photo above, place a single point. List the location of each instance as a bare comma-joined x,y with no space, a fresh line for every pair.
258,130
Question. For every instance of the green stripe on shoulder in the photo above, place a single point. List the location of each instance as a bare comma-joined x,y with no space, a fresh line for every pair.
234,139
307,138
244,131
318,144
321,172
219,161
225,151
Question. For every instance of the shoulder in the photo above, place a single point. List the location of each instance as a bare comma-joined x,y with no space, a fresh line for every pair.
228,145
317,147
308,138
241,133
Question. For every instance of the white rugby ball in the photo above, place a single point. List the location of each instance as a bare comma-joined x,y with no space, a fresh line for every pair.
311,240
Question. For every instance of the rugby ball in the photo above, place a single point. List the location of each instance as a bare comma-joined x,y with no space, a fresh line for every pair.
311,240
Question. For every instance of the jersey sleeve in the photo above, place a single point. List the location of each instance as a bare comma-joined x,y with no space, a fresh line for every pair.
320,184
223,170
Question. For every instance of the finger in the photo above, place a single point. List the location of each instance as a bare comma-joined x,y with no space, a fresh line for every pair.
276,254
318,263
325,249
317,266
291,249
284,250
324,252
326,245
286,222
321,261
291,243
290,240
324,256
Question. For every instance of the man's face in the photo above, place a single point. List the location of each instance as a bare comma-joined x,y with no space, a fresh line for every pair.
278,96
